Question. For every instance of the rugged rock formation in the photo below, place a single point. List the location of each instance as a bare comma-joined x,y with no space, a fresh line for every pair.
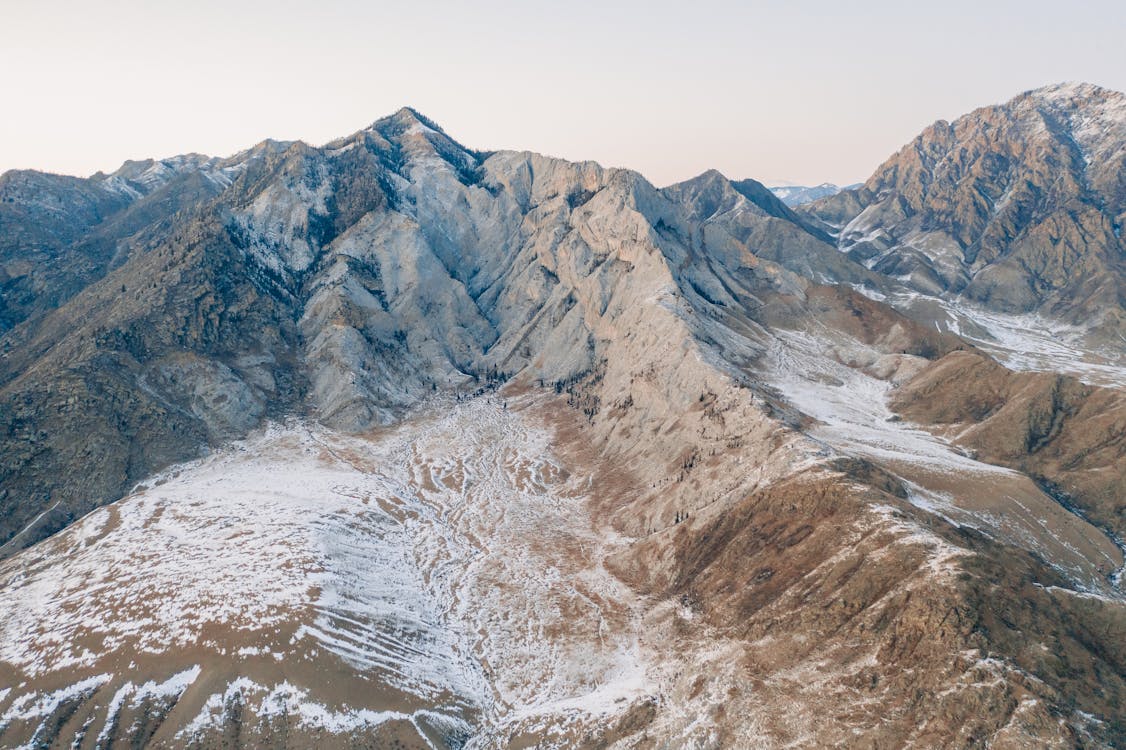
350,281
1018,207
58,234
536,453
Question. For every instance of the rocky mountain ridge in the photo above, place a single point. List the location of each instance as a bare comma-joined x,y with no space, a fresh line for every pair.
506,383
1018,207
348,261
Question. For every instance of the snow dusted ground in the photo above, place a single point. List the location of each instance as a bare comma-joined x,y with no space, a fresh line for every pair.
834,381
1020,342
449,564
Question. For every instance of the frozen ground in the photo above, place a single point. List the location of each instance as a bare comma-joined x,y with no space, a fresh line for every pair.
1020,342
450,561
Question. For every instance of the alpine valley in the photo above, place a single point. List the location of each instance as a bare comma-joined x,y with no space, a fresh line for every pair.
392,443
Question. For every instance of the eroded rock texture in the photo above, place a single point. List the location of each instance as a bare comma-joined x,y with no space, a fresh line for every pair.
406,445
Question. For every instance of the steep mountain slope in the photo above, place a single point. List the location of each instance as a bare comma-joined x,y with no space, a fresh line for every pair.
351,280
448,577
1018,207
1070,436
58,234
40,215
535,453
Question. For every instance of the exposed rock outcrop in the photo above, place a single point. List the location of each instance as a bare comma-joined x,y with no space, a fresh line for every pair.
1018,207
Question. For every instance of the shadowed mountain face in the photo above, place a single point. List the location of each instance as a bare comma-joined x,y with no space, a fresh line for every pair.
1019,207
58,234
529,452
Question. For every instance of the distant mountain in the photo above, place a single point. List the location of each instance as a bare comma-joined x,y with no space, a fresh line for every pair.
797,195
1018,207
391,442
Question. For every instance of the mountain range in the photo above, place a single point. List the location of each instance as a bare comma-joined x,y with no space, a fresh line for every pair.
796,195
396,443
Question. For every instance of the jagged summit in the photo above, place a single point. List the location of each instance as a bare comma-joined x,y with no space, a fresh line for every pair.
1017,206
411,115
407,121
714,182
1066,95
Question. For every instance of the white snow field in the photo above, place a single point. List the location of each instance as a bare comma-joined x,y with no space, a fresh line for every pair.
449,563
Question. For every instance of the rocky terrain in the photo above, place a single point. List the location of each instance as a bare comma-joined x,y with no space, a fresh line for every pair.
1017,207
394,443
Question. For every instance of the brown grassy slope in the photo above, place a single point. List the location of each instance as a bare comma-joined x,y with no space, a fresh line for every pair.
1068,435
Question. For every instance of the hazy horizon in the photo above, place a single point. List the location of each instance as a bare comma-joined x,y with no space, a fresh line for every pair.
782,94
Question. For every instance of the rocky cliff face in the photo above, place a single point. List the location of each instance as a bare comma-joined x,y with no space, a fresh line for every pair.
350,281
533,453
1018,207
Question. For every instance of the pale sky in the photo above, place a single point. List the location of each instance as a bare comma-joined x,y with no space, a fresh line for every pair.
795,91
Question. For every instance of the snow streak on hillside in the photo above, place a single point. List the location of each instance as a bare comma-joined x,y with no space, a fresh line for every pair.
1027,342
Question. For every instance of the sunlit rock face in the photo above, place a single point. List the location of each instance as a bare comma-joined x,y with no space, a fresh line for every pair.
1017,207
395,443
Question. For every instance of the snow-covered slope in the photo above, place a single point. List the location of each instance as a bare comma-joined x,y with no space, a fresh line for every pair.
845,386
445,574
1028,342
